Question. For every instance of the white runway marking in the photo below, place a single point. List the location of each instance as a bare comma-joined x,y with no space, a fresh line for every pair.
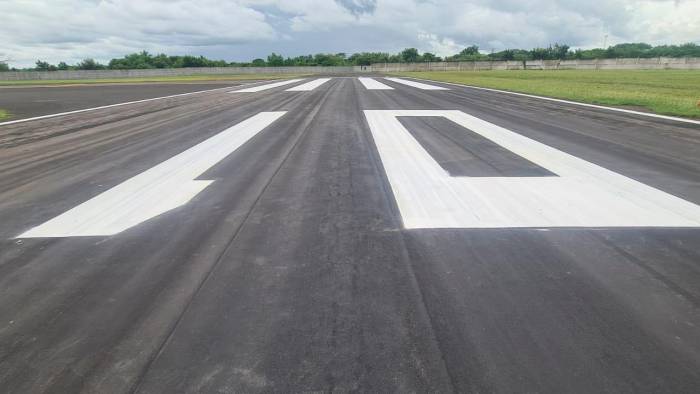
309,86
583,194
260,88
157,190
373,84
419,85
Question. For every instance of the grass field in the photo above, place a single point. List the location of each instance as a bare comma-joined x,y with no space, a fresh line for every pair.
4,114
668,92
174,79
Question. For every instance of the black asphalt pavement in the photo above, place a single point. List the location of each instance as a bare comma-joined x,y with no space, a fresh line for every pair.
293,272
31,101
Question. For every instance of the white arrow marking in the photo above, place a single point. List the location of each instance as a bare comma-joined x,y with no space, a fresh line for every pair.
157,190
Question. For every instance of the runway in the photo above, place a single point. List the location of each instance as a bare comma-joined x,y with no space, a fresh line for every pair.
27,102
344,234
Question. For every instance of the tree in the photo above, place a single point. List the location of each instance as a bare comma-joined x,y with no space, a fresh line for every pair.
275,60
44,66
409,55
89,64
138,60
638,49
161,61
507,54
4,66
558,51
470,51
430,57
329,59
144,59
193,61
367,58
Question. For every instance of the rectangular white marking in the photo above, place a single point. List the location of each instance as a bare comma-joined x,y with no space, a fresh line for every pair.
373,84
419,85
267,86
157,190
583,194
309,86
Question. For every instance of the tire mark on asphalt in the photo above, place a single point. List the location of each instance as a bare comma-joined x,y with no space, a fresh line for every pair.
306,125
405,257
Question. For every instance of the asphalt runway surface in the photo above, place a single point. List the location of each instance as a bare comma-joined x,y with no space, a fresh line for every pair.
31,101
289,241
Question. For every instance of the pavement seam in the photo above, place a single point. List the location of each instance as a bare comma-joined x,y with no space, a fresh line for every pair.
310,117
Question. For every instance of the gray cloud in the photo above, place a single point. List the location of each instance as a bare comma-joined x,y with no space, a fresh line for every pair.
70,30
359,6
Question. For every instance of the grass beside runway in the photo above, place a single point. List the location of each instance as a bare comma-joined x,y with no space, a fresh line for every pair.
173,79
4,114
667,92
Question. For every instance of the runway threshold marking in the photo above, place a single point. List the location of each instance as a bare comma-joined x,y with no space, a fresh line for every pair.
267,86
419,85
582,195
155,191
373,84
309,86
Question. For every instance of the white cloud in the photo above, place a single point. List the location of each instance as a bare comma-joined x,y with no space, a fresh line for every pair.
72,29
241,29
439,46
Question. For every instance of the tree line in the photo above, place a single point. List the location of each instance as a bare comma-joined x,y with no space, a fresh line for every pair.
145,60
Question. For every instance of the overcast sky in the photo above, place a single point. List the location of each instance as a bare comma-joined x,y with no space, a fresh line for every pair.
240,30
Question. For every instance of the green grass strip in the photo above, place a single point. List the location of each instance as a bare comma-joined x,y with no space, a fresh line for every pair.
667,92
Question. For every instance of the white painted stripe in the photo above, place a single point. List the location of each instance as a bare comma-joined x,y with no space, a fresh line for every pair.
419,85
373,84
582,195
628,111
273,85
309,86
108,106
155,191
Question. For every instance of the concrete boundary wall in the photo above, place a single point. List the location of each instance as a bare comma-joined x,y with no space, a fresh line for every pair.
658,63
167,72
